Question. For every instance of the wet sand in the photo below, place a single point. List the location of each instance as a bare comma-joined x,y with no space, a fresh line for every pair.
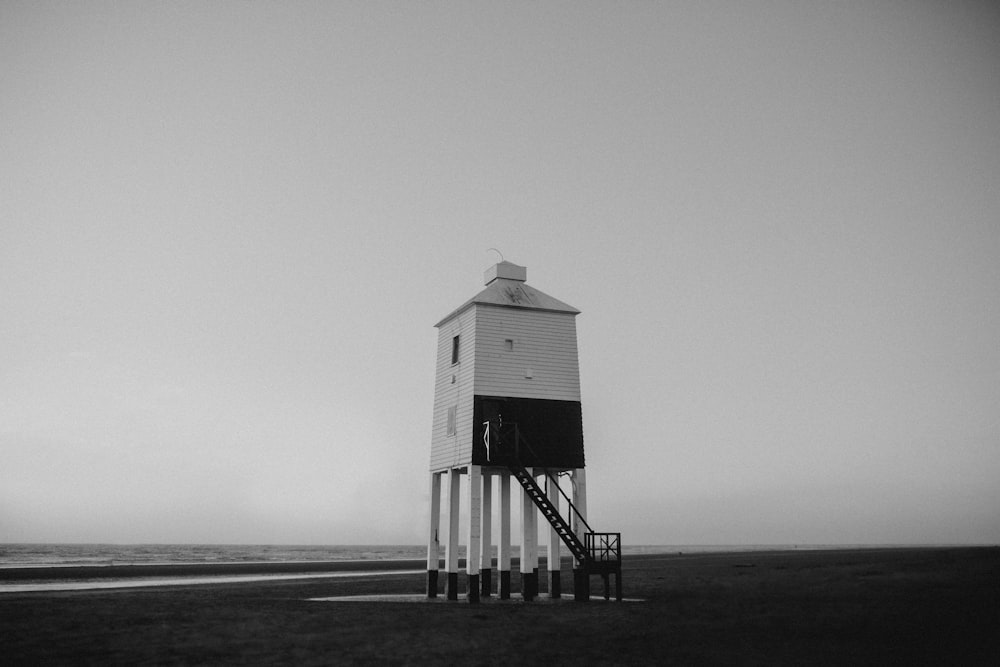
885,606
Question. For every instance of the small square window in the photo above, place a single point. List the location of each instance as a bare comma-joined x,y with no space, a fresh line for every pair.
454,350
508,344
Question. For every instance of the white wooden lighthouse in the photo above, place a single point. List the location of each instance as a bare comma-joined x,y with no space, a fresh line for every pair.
507,405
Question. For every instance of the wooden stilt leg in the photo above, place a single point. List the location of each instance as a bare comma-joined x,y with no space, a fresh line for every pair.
433,542
451,549
503,550
472,557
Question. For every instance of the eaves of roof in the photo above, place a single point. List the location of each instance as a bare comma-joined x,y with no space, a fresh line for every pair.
513,294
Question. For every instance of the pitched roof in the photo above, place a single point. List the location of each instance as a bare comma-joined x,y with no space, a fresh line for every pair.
512,293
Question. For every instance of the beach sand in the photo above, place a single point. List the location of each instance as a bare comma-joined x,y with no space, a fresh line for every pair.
839,607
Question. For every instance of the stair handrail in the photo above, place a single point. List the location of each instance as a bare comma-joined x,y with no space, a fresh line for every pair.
596,548
521,439
541,500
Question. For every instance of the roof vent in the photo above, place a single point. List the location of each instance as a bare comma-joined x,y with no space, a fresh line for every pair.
507,271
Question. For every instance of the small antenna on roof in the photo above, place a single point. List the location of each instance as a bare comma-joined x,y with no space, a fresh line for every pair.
497,252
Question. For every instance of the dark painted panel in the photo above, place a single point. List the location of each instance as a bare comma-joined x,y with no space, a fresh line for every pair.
551,432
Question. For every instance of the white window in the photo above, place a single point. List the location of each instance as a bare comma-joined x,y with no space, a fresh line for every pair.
452,419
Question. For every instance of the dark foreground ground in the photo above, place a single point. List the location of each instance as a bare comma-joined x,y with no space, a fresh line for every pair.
885,606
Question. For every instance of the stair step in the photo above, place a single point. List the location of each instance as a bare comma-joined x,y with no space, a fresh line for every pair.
550,512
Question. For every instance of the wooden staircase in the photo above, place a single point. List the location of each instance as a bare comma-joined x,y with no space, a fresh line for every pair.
549,511
600,553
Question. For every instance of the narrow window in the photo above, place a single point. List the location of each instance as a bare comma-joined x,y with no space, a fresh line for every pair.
454,350
452,411
509,344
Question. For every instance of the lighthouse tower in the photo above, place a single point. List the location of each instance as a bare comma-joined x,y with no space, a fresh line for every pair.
507,405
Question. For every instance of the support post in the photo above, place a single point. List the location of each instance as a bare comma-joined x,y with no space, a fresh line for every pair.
579,478
554,557
486,561
529,546
581,584
451,549
581,577
503,550
474,543
433,539
533,555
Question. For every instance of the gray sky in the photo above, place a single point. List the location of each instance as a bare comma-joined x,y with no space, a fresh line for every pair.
227,229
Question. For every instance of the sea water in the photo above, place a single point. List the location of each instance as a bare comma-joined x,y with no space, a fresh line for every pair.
56,555
103,555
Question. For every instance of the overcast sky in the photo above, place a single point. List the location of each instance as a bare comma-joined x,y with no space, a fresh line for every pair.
228,228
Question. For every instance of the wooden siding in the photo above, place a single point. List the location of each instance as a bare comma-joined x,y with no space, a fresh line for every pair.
543,342
449,451
530,431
